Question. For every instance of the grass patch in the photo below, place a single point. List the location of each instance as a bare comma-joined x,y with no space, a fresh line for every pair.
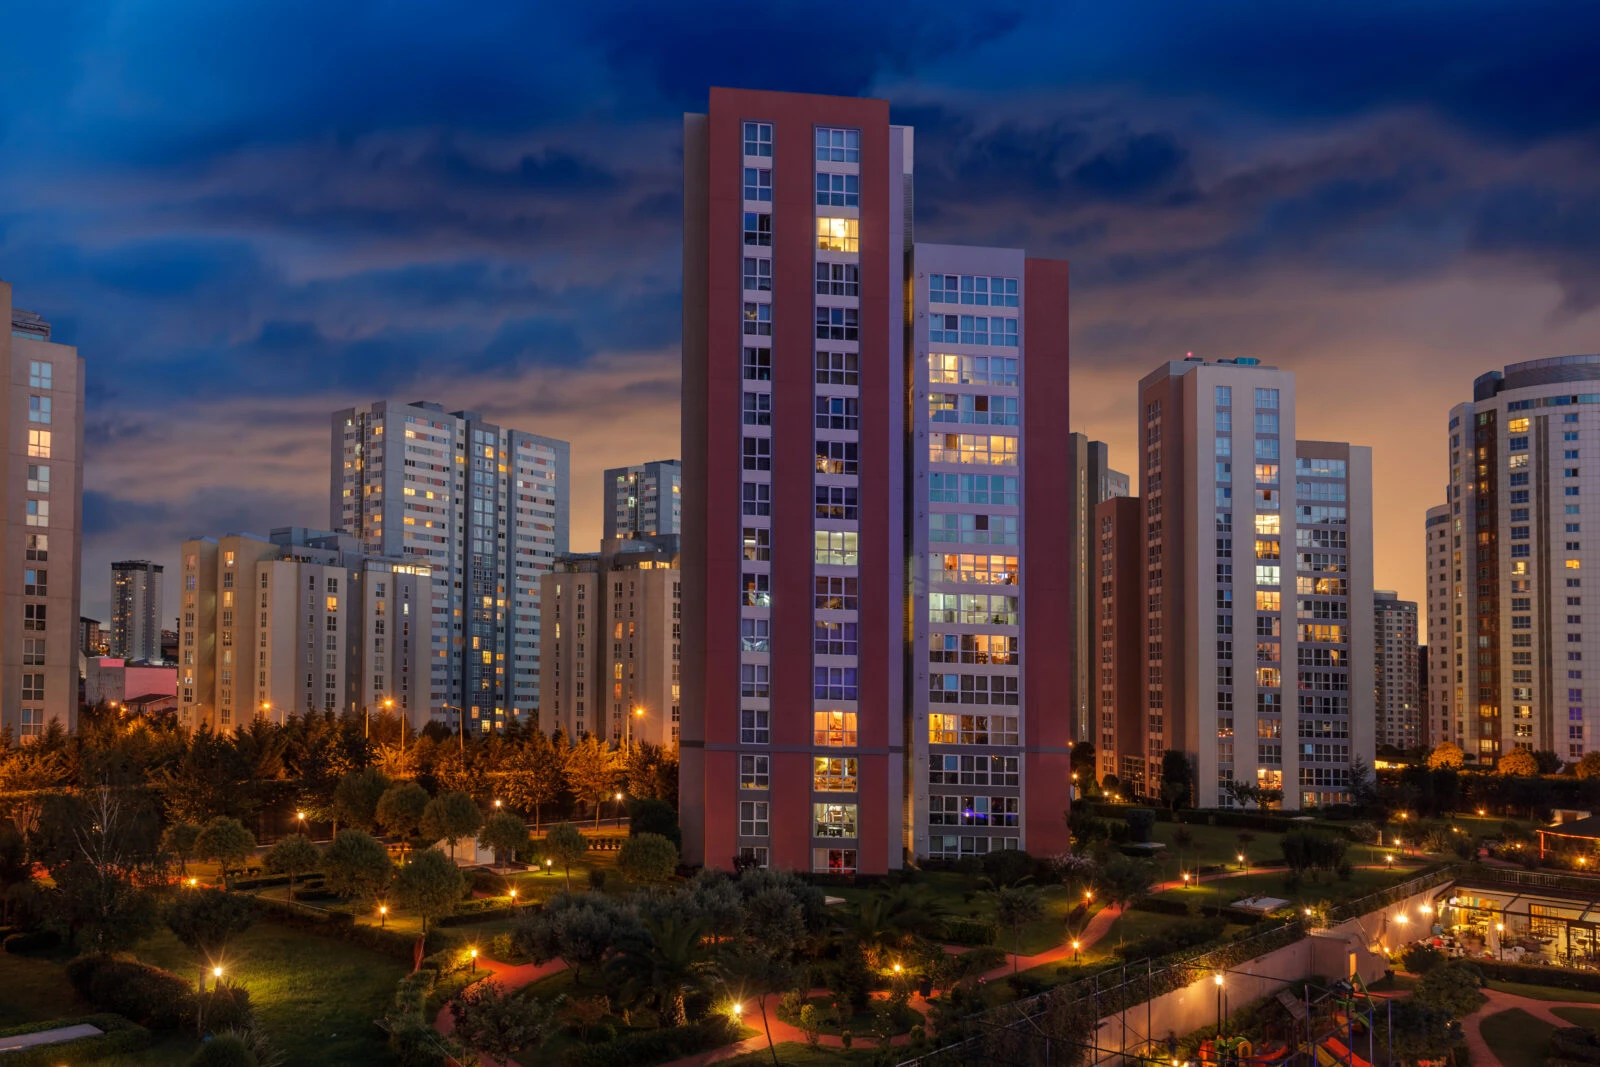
1516,1038
1225,891
36,990
1588,1018
1544,992
317,998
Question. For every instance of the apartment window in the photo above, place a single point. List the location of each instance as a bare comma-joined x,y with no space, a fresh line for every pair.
837,324
753,818
758,409
833,861
757,590
757,543
834,774
755,635
39,409
837,502
39,444
834,820
758,184
38,478
838,413
838,368
757,274
758,364
753,681
754,772
39,547
838,279
979,290
758,139
836,190
835,594
33,617
837,457
838,146
834,683
757,498
757,319
34,583
833,729
758,229
33,652
33,687
754,726
833,235
953,729
38,513
972,330
40,374
758,453
1267,398
835,639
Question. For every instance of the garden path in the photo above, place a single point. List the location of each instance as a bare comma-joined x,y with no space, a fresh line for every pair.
1499,1002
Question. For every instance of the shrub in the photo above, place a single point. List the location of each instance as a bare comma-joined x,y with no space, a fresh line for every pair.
652,816
597,879
1534,974
648,859
118,1036
225,1050
1420,959
655,1046
1182,936
963,931
148,995
224,1007
1574,1044
32,941
1141,821
1008,866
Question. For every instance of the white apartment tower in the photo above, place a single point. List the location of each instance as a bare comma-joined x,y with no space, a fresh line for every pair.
1439,725
1258,586
299,623
487,509
1396,667
136,610
42,524
1524,469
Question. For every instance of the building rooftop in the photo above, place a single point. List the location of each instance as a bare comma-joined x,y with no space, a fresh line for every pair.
29,324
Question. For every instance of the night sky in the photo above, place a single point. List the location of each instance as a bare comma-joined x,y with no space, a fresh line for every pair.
248,215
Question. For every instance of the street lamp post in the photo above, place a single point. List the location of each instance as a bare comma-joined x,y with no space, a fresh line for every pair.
463,711
383,916
619,809
1218,979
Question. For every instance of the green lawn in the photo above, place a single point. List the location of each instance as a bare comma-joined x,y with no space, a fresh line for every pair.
316,997
35,990
1271,883
1215,845
1517,1038
1588,1018
1544,992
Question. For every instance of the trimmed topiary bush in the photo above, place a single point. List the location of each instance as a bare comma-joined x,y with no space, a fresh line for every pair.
148,995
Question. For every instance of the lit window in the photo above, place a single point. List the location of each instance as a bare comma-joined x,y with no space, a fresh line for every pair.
834,729
833,235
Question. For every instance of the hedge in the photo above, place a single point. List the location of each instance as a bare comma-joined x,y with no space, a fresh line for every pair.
1164,906
119,1036
32,941
342,926
961,931
656,1046
1535,974
148,995
1574,1044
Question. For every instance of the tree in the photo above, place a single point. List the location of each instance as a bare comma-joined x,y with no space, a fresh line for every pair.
536,776
1014,907
1453,987
499,1024
1124,880
749,972
101,854
226,842
592,770
1446,755
1175,778
400,810
355,798
667,960
179,840
294,855
450,817
505,833
648,859
1589,765
430,885
1519,763
566,846
652,816
1305,850
578,930
1419,1031
1244,792
205,919
1548,761
357,866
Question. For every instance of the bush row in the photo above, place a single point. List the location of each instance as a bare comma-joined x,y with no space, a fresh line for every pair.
342,925
1535,974
148,995
958,930
1163,906
656,1046
118,1036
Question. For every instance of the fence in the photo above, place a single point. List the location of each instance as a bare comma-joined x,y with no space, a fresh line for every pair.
1054,1027
1384,897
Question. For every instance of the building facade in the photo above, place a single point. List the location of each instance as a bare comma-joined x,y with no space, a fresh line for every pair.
1090,481
1396,670
136,610
1118,577
611,643
1258,605
1439,724
829,504
644,500
486,508
42,524
300,622
1520,481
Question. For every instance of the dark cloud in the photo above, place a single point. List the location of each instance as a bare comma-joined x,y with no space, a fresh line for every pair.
1558,235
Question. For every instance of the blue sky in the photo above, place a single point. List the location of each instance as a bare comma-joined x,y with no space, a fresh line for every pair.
247,215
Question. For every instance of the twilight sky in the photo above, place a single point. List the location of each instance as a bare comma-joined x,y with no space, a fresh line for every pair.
247,214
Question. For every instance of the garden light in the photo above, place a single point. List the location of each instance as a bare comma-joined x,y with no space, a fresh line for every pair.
737,1009
216,972
1217,977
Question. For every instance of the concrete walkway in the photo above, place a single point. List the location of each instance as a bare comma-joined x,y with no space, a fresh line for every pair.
49,1037
1499,1002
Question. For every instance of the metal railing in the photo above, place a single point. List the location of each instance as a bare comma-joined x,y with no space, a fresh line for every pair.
1350,909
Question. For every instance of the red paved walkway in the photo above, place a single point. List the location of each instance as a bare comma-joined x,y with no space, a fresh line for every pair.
1499,1002
510,977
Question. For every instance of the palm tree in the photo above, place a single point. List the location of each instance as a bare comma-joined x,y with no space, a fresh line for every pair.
668,960
1014,907
752,972
889,920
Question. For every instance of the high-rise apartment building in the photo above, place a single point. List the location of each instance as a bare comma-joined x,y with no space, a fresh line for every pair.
1258,604
1438,724
1090,480
611,643
1395,670
42,524
1117,574
487,509
300,622
643,500
1524,468
136,610
855,407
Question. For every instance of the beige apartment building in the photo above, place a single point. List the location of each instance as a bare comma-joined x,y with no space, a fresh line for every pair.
300,622
42,524
611,643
